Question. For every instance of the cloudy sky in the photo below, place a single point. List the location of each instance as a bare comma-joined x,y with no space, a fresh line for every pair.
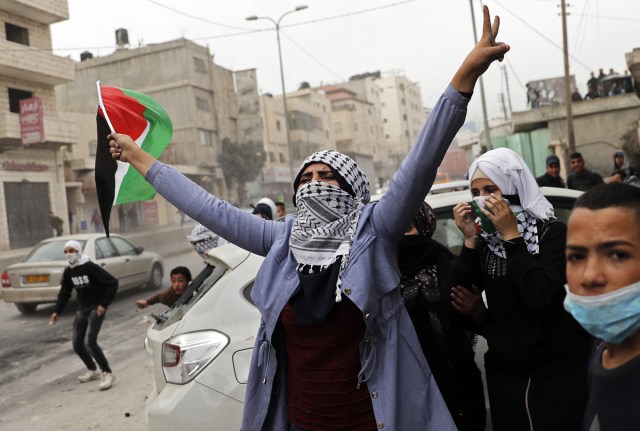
332,40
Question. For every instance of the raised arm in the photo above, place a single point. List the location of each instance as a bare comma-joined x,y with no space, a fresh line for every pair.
415,176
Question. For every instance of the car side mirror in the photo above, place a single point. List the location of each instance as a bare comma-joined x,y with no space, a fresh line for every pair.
139,250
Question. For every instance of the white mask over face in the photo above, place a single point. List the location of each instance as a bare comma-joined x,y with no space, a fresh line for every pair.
73,257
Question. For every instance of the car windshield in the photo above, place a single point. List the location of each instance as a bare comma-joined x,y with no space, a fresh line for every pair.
47,251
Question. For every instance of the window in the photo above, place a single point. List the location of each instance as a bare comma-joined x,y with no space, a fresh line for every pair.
404,117
16,34
278,125
282,159
403,102
205,138
199,65
93,147
15,96
272,157
124,247
202,104
355,126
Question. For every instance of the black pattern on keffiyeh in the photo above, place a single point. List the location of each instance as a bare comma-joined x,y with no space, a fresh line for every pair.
528,228
327,218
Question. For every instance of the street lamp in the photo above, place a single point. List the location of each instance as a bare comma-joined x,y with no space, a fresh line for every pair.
284,93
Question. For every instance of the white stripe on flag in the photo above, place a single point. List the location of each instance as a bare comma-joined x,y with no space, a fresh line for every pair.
124,167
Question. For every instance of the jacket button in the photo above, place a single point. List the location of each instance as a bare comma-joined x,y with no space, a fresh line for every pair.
366,316
380,425
347,291
374,394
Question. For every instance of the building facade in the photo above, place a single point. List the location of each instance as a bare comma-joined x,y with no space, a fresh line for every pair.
32,144
201,100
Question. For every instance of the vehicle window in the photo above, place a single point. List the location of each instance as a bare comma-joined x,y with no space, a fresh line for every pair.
47,251
124,247
104,249
562,206
205,281
447,233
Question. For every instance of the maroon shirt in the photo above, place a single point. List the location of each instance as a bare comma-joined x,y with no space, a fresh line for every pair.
322,371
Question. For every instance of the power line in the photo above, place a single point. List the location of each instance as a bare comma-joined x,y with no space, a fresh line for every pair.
199,18
542,35
312,57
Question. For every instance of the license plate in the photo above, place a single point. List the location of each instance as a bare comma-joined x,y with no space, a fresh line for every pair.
36,278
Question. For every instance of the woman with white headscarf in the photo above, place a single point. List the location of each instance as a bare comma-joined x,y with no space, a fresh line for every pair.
514,252
336,348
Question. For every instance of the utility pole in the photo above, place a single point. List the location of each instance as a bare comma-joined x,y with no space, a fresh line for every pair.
567,81
506,84
487,132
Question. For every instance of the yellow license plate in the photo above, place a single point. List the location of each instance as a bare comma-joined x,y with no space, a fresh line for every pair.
38,278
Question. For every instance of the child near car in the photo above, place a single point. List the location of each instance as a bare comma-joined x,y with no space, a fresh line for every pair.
180,279
96,289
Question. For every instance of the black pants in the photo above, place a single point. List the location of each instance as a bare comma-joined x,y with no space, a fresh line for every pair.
547,403
86,327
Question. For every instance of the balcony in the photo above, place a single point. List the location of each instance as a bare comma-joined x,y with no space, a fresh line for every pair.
56,131
30,64
42,11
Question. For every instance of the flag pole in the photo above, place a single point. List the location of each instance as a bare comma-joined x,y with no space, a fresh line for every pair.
101,105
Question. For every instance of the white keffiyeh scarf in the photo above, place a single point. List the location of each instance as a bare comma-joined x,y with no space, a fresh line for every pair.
327,216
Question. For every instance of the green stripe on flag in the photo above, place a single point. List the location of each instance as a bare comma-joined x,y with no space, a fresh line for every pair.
134,187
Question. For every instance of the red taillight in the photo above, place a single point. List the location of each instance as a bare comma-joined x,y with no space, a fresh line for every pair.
170,355
5,280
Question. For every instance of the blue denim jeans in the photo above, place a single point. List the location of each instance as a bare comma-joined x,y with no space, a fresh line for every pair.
86,327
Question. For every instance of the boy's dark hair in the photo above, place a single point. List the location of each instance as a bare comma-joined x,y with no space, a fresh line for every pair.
576,155
616,195
280,204
181,270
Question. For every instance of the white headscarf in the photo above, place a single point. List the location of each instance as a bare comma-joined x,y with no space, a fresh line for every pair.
511,174
82,259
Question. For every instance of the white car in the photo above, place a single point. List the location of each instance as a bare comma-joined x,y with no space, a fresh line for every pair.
36,280
202,346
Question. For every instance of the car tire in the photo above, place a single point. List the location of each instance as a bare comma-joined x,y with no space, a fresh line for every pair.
155,278
26,308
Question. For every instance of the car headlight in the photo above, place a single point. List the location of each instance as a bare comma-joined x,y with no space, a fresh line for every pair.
186,355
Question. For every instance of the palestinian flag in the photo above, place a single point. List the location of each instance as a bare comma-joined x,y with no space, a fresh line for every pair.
147,123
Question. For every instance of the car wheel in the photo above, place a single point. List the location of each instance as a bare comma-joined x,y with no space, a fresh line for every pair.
155,279
26,308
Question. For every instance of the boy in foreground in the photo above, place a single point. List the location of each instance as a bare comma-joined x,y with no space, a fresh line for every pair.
603,295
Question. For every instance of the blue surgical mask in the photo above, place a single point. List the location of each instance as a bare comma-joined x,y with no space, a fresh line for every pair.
613,317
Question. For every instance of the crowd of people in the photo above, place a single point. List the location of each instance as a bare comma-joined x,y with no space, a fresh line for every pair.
584,179
368,323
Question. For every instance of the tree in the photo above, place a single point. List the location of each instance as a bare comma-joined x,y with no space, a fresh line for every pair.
241,163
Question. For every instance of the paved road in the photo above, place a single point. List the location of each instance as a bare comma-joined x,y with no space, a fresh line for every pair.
38,369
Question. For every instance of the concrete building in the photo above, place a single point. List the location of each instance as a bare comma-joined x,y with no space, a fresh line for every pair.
201,100
402,113
31,156
598,126
357,128
310,131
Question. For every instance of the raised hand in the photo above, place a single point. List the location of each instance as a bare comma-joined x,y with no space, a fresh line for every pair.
481,56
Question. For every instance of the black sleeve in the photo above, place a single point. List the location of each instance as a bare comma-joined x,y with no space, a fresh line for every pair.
66,287
539,279
106,281
466,267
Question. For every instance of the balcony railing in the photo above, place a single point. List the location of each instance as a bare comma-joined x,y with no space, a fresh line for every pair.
30,64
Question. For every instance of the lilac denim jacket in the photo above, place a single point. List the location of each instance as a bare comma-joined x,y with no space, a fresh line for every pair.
404,394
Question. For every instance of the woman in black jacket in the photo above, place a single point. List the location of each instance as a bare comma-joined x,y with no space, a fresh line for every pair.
514,251
447,345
